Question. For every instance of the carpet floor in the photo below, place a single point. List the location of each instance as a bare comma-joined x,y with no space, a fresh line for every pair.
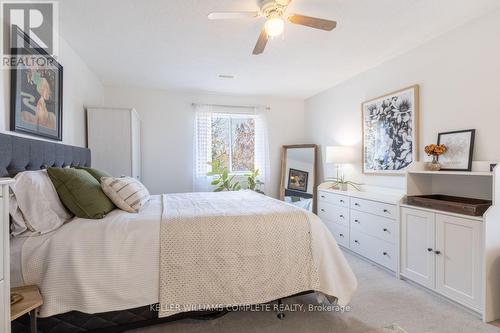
380,301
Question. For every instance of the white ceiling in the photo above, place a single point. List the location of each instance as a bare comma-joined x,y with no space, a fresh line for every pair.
167,44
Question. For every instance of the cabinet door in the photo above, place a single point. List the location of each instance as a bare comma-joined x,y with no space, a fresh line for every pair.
417,246
458,261
109,139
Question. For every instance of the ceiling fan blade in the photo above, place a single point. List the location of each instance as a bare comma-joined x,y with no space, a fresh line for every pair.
261,43
232,15
313,22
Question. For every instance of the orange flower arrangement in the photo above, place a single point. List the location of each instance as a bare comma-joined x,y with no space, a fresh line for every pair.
435,150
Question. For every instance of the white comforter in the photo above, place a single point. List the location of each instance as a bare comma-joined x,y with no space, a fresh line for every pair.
113,264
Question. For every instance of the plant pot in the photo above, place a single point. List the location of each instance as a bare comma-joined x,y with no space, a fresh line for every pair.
434,165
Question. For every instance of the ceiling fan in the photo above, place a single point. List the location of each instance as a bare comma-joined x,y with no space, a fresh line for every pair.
274,12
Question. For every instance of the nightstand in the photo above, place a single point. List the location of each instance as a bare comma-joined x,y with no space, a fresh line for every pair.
30,303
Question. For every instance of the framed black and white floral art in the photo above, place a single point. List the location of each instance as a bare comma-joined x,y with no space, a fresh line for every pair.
460,149
390,132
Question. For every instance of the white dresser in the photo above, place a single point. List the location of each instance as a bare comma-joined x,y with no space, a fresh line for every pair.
114,137
366,222
4,256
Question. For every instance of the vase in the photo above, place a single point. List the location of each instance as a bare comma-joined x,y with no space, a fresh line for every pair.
434,165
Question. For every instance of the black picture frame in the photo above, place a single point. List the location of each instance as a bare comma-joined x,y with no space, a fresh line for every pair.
302,173
472,133
17,102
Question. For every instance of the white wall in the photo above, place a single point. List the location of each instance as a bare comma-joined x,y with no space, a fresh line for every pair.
80,87
459,77
168,126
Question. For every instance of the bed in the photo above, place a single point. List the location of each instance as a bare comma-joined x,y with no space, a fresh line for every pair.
189,249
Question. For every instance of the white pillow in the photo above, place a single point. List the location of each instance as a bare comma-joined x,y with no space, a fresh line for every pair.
36,204
127,193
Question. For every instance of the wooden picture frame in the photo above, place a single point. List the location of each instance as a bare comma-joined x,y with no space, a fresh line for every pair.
314,178
457,157
398,114
36,93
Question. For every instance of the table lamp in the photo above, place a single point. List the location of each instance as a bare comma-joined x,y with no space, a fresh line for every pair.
340,155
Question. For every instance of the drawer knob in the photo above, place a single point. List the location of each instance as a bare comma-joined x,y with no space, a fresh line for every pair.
322,210
341,216
357,221
385,229
323,196
437,252
429,249
356,241
341,235
386,211
384,253
356,204
342,201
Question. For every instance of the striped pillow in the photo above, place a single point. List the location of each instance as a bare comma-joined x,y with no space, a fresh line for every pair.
127,193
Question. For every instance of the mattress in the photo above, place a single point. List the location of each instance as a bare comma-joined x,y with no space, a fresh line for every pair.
113,264
96,266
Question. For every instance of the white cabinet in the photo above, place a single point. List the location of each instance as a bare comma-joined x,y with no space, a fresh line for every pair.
4,256
365,223
114,138
417,246
444,253
458,259
333,209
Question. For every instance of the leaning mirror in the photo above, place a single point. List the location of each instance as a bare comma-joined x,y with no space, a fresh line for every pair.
298,176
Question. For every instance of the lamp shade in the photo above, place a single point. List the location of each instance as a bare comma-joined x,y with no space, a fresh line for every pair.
340,155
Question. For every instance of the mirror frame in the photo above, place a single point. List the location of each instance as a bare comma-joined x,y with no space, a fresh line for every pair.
284,153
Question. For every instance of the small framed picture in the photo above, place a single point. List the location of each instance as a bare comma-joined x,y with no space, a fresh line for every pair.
297,180
460,145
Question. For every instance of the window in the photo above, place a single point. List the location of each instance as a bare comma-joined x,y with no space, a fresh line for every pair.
233,142
235,136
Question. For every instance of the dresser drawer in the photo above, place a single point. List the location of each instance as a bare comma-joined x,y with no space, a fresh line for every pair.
381,252
330,212
340,233
373,225
374,207
334,199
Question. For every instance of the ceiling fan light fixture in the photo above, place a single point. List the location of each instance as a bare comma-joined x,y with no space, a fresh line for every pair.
275,26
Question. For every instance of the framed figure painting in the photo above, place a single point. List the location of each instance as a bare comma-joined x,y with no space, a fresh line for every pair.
297,180
390,132
36,92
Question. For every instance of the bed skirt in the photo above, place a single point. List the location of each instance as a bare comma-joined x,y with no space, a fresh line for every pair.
108,322
111,322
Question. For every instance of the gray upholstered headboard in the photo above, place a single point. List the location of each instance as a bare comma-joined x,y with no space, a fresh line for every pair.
20,154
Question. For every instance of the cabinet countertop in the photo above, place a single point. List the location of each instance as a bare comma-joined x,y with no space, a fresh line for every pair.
392,198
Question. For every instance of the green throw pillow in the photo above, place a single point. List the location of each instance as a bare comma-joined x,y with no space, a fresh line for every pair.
96,173
295,199
80,192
